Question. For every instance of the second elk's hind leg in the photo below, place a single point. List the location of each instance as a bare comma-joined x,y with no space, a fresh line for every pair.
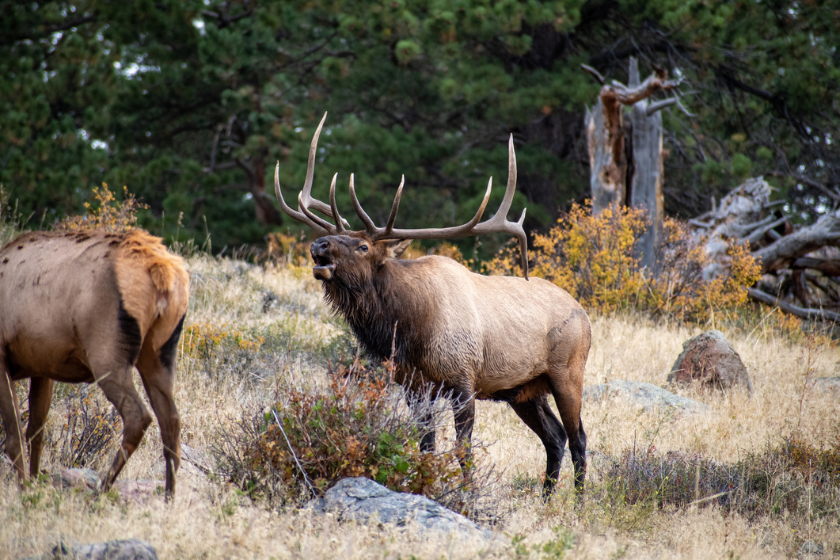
568,401
112,367
537,415
119,389
40,397
157,370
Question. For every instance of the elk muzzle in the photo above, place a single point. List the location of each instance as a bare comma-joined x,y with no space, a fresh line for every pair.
324,265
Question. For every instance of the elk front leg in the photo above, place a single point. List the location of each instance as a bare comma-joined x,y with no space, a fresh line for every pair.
40,397
463,407
421,405
11,419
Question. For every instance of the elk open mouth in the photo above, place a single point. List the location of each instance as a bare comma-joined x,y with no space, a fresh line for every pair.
323,269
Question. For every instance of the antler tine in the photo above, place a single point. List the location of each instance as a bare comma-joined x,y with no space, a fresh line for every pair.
369,225
504,207
464,230
306,193
394,207
497,224
285,207
320,222
308,201
339,228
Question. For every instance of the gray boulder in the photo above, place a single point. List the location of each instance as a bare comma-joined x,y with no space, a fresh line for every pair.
710,360
130,549
646,395
363,500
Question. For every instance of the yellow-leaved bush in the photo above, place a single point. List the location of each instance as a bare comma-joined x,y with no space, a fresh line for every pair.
108,215
594,258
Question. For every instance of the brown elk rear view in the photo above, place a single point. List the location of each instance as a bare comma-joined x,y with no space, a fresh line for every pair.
454,331
89,307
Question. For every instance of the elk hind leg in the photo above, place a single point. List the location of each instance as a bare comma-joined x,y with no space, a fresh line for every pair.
40,397
157,370
568,398
537,415
119,390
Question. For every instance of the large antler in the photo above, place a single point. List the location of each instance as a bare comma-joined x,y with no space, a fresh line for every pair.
497,224
305,200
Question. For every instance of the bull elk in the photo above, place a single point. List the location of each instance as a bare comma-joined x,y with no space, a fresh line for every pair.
88,308
475,337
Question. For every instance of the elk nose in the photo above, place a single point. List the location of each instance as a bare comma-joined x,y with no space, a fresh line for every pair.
319,246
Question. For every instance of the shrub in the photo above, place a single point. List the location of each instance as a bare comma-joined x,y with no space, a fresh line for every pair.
790,477
288,249
91,432
594,259
358,425
681,290
108,214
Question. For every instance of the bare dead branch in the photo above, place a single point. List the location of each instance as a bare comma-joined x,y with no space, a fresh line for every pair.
597,75
659,105
756,235
802,312
810,182
826,231
827,267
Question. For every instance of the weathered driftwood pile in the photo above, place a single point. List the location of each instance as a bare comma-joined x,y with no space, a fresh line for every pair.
800,265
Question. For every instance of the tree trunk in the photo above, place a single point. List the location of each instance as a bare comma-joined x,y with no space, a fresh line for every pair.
605,136
612,144
646,181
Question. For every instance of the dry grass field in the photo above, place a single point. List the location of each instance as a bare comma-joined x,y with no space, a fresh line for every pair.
253,331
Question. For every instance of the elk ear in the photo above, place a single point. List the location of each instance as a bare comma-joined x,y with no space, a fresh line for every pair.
394,248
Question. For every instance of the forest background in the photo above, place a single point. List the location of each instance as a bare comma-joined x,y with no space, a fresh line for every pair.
189,104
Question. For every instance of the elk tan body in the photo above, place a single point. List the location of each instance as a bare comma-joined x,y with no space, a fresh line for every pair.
486,335
89,307
454,331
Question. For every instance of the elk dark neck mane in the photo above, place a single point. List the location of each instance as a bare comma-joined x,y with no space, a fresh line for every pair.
374,304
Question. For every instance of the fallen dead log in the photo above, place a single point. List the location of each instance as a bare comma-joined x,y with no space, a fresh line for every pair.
785,250
800,266
801,312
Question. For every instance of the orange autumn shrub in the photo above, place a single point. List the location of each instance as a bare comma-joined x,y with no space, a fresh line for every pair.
594,258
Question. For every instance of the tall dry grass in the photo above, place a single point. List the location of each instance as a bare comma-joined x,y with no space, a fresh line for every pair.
254,331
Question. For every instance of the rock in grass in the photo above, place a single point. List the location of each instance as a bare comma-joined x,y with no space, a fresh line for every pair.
711,360
830,385
646,395
77,478
129,549
363,500
138,491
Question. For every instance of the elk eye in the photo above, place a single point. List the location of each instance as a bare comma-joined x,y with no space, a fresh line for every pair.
363,248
